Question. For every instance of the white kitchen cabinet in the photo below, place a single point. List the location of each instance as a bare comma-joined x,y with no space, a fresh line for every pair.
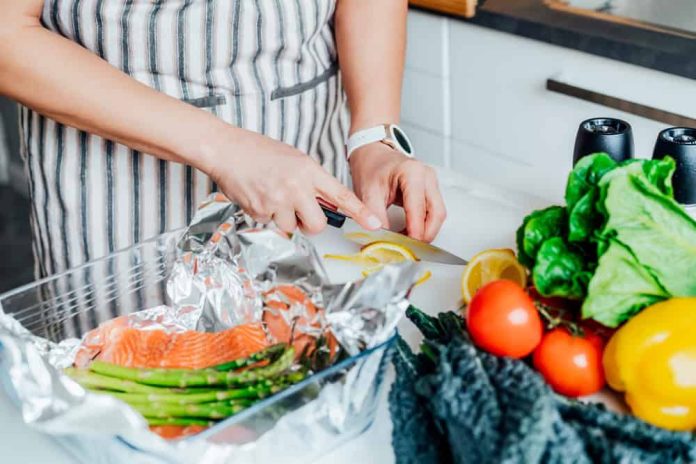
424,52
430,146
500,102
426,109
425,114
494,101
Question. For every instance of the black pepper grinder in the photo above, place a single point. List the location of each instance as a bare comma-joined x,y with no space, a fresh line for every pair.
608,135
680,144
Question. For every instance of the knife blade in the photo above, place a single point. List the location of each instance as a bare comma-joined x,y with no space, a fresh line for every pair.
355,233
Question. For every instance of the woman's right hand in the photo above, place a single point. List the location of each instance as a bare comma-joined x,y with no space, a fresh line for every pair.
273,181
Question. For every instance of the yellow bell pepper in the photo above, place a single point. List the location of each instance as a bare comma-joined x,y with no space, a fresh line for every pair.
652,358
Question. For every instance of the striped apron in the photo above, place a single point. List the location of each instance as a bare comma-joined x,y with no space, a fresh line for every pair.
265,65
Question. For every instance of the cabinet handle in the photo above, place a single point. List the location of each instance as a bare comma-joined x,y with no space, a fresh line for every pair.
638,109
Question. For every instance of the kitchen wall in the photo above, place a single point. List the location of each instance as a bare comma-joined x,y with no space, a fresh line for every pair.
678,14
475,100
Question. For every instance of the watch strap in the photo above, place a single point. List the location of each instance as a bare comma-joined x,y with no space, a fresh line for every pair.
365,137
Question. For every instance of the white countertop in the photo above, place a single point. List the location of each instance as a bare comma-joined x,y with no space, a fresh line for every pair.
479,217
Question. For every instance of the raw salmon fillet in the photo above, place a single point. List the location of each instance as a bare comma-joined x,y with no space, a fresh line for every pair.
116,342
172,432
287,325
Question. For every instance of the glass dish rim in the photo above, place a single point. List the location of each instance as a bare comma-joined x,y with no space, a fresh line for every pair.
36,283
250,411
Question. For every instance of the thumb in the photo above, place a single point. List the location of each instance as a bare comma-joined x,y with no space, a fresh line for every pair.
376,201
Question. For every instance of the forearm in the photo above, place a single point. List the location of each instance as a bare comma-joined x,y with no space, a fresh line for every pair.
73,86
371,40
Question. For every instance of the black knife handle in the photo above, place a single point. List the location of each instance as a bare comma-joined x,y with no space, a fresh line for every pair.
334,218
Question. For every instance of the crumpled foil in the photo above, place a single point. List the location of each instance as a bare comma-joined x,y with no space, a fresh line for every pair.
227,262
224,267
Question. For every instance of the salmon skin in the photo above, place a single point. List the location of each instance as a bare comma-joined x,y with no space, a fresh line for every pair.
117,342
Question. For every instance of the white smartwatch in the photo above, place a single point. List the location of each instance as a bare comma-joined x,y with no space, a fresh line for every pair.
389,134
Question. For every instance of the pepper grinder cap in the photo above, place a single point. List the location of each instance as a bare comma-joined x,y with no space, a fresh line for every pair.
680,144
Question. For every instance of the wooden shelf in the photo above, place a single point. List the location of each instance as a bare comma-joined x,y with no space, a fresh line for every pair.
466,8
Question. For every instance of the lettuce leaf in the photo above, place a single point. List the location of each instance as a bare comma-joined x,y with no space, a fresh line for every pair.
659,173
586,175
620,288
581,196
655,228
584,219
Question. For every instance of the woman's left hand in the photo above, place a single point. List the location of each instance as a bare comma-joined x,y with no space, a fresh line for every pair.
383,176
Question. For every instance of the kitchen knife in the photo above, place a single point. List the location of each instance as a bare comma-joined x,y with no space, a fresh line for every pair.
353,232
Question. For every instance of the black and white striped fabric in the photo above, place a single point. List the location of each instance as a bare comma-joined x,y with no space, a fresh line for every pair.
266,65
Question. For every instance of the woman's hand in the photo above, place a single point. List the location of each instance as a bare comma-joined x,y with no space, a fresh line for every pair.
383,176
273,181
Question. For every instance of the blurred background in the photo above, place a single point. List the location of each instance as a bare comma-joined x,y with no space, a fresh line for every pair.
16,260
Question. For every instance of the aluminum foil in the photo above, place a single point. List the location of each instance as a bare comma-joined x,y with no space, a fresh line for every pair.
224,268
227,263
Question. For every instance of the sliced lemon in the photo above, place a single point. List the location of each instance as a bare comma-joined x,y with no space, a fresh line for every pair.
381,253
490,265
375,255
424,278
386,253
351,258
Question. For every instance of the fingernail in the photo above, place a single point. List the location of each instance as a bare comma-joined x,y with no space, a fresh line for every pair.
373,222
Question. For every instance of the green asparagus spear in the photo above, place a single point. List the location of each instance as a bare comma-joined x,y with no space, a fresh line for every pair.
267,354
247,393
97,382
195,377
291,378
203,395
181,421
243,402
104,384
92,380
218,410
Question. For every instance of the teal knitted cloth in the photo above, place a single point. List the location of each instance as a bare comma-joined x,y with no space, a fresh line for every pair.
455,404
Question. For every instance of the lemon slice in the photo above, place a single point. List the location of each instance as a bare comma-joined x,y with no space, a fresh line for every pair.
374,256
386,253
490,265
378,253
424,278
381,253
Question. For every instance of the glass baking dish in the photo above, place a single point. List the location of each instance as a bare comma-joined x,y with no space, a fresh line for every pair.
296,425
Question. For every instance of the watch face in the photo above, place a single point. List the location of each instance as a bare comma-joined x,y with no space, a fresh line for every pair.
402,139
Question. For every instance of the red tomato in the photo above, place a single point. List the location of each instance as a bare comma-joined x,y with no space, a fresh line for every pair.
503,320
571,364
